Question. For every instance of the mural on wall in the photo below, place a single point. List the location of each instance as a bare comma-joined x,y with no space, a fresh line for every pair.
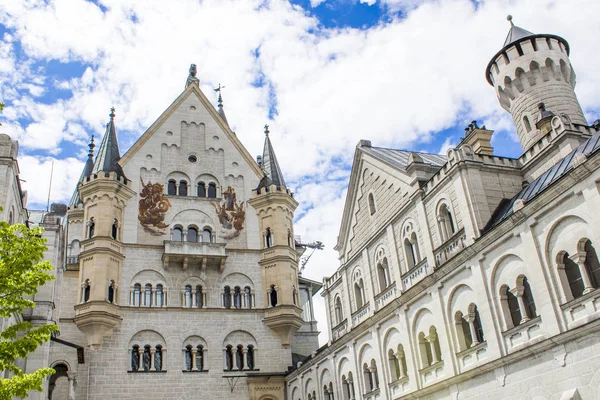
153,206
231,214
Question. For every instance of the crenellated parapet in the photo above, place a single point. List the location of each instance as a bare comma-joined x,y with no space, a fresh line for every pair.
531,69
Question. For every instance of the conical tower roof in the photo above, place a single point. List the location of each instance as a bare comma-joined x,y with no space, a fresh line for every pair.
108,156
270,165
220,106
86,173
515,33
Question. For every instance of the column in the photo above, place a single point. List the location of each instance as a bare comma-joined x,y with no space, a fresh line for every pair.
399,357
193,298
524,317
471,320
152,352
116,294
141,362
373,372
587,284
244,358
183,298
132,296
153,297
351,388
194,367
72,377
431,340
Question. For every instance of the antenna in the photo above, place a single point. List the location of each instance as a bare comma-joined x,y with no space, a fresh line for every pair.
50,187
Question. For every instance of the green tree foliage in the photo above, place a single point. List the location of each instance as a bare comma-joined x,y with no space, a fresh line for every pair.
21,273
1,108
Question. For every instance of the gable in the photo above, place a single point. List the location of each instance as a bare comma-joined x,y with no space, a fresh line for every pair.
390,188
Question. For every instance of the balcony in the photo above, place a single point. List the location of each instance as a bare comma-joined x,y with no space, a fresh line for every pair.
450,247
340,330
432,373
387,295
472,356
72,263
415,275
194,254
524,335
361,314
582,310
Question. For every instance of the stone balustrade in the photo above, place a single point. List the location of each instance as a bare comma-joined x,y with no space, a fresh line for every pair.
450,247
361,314
416,274
386,296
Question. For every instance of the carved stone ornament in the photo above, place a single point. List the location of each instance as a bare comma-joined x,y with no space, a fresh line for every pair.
153,206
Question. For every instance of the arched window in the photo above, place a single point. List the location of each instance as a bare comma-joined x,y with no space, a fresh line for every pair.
273,296
159,295
359,293
158,358
474,313
268,238
227,297
148,295
237,297
250,357
115,229
187,358
199,301
135,358
137,294
172,187
463,331
369,383
445,223
411,250
201,189
146,359
111,292
425,350
383,271
86,290
177,234
394,365
530,310
91,227
526,123
192,234
207,235
239,357
339,313
290,239
187,296
294,295
182,188
200,357
573,276
248,297
212,191
510,304
591,263
371,204
229,358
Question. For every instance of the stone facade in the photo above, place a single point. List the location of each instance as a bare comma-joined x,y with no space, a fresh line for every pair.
472,275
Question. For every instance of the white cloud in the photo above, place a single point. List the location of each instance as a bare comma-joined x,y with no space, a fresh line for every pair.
396,83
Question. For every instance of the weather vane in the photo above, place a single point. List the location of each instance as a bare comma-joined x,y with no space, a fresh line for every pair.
267,129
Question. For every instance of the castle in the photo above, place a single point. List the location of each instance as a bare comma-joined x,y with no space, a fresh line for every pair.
462,275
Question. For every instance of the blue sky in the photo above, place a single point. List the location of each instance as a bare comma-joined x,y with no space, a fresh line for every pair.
322,73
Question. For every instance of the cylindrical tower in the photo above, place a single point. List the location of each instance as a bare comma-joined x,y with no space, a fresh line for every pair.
529,70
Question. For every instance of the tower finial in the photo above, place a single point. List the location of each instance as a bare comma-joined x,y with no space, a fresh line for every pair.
266,129
509,19
91,146
220,99
112,113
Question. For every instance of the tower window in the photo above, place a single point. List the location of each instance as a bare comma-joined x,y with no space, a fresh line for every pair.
115,229
371,204
526,123
273,296
91,227
268,238
111,292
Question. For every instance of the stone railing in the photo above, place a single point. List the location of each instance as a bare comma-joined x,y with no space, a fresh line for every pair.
328,282
339,330
472,356
202,254
361,314
72,260
524,335
582,310
383,298
450,247
413,276
432,373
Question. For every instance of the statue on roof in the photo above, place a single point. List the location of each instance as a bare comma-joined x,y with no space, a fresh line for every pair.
192,76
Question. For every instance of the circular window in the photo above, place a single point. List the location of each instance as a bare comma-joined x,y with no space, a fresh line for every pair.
192,158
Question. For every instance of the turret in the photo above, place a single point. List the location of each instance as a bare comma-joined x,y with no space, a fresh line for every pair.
531,69
104,194
275,205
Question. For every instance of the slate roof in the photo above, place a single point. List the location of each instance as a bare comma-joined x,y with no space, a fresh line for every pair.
270,166
399,158
515,34
529,192
87,172
108,156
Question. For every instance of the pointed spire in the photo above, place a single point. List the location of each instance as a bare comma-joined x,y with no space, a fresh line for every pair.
86,173
515,33
270,165
220,104
108,156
